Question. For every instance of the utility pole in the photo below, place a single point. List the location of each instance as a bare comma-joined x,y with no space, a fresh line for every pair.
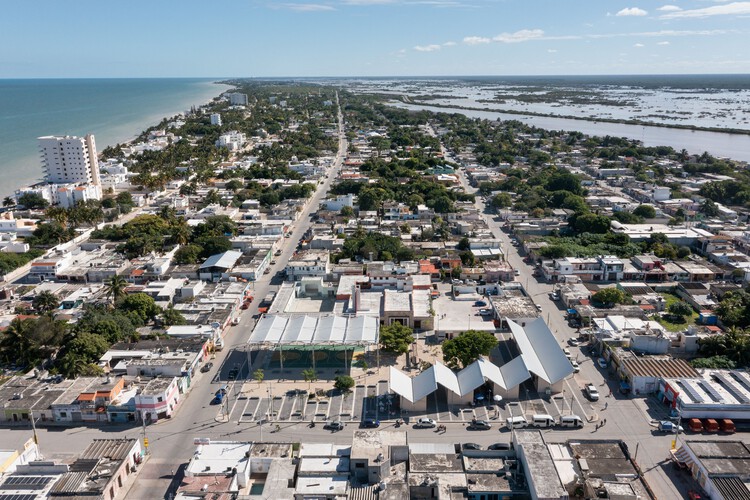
36,438
145,438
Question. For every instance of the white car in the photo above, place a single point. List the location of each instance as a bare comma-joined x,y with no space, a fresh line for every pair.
576,367
424,423
592,393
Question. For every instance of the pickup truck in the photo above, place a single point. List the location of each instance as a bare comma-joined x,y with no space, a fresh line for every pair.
591,392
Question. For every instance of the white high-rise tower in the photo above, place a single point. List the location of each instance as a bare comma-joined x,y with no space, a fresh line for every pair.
69,159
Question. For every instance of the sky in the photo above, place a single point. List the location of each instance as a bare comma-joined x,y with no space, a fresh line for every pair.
265,38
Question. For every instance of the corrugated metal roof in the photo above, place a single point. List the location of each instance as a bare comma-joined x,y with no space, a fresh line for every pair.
224,260
114,449
731,488
70,482
666,368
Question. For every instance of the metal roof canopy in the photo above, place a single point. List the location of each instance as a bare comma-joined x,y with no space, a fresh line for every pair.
307,330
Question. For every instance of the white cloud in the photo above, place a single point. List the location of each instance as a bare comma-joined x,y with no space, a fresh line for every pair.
368,2
663,43
668,8
449,44
631,11
518,36
427,48
306,7
476,40
730,9
639,45
551,51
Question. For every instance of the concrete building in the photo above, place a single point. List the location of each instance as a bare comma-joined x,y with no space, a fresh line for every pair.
216,119
157,400
69,159
237,99
308,263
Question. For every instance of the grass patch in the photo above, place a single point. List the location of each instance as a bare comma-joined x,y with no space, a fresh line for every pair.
670,299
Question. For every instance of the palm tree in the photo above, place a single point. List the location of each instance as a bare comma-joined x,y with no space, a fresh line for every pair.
310,376
15,345
115,287
8,201
45,302
181,233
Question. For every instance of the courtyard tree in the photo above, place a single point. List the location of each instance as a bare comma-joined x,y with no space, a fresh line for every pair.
466,348
343,383
310,376
396,338
645,211
45,302
610,296
680,309
259,375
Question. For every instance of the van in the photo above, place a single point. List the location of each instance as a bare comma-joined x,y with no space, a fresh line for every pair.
695,425
516,422
710,425
727,426
571,421
542,421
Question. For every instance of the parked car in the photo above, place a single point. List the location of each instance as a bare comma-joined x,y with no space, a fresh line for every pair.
602,363
591,392
207,367
273,262
576,366
485,312
479,425
425,423
370,423
538,307
554,296
480,303
667,426
336,425
572,341
500,446
471,446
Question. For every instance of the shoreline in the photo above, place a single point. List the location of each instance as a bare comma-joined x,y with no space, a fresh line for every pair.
131,131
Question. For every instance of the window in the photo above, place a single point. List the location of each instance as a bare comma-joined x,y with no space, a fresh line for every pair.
159,399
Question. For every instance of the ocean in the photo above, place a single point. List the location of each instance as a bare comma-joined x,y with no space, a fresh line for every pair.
114,110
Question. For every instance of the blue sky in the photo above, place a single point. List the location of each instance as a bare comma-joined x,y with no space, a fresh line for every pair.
263,38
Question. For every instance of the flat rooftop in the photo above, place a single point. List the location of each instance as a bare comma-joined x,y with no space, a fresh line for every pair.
217,457
369,444
722,457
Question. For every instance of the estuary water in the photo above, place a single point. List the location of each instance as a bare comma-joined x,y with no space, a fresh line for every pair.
114,110
734,146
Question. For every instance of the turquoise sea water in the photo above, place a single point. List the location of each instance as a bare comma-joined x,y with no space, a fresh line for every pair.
114,110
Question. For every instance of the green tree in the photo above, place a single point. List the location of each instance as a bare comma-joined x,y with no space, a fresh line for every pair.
456,272
310,376
591,223
45,301
115,287
347,211
8,201
680,308
188,254
33,201
343,383
467,347
140,307
171,317
463,244
645,211
502,200
610,296
396,338
81,350
683,252
734,309
259,375
709,208
714,362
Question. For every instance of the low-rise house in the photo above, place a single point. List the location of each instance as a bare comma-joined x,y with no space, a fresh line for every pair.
308,263
157,399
